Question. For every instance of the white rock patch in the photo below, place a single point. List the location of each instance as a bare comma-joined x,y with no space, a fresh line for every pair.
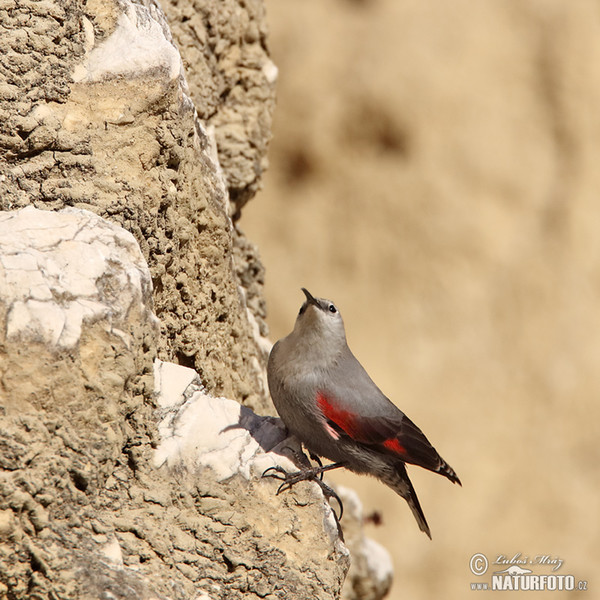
200,431
138,45
59,269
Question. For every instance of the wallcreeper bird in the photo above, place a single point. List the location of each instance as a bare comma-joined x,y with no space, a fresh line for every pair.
328,401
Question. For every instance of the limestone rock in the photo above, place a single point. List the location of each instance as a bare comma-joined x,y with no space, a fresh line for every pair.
116,176
91,503
232,82
75,309
61,269
96,113
218,440
78,339
199,432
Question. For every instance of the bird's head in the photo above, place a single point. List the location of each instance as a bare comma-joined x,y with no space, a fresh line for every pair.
319,317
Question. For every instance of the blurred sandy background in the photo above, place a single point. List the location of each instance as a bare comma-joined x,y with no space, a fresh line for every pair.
435,170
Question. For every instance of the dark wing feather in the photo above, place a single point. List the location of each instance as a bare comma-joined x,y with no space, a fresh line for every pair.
361,411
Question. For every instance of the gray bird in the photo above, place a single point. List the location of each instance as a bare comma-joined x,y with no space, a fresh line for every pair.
328,401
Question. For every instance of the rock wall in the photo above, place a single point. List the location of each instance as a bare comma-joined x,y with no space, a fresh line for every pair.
96,113
434,171
124,167
104,493
78,341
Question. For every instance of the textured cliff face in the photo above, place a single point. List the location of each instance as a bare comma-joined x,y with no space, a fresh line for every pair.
78,339
434,170
122,475
123,478
231,79
96,113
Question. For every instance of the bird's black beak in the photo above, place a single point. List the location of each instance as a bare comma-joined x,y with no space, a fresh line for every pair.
309,297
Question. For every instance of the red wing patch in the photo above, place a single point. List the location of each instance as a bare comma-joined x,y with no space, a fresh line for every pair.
360,430
344,419
397,436
395,446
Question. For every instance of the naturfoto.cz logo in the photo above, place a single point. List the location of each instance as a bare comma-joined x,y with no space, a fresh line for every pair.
513,573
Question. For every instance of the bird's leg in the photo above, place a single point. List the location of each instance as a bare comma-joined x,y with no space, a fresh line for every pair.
317,459
311,474
300,458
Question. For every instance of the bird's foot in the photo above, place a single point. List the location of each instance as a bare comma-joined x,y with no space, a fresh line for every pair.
310,474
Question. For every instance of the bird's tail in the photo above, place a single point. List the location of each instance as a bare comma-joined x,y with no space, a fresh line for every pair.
403,486
447,471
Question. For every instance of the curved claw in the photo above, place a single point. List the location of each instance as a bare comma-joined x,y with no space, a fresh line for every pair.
279,472
341,510
317,459
283,487
330,493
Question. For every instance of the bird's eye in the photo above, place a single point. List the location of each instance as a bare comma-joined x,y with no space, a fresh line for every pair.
332,309
302,309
